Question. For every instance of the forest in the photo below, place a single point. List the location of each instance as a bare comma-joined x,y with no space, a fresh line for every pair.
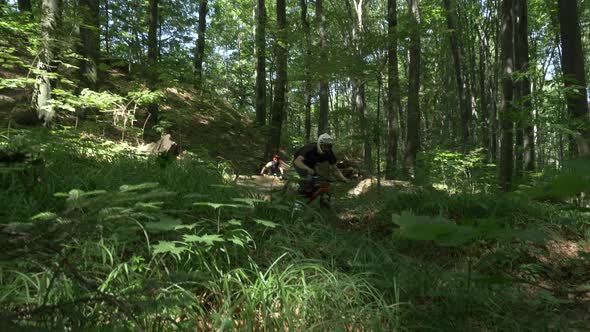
450,193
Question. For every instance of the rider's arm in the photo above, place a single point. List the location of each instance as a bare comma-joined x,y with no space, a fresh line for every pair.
281,170
299,163
337,171
264,168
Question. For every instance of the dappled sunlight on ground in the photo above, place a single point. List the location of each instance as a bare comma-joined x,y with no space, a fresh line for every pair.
365,185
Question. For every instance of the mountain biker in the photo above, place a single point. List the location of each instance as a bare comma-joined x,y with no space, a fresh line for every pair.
310,155
274,167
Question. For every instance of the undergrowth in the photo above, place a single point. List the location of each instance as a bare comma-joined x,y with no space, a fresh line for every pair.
96,237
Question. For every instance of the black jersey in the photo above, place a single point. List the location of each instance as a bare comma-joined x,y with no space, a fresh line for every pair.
311,156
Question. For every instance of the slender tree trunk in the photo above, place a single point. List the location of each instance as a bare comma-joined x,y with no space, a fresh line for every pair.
361,108
518,109
393,91
474,93
279,103
307,83
107,37
152,33
261,63
484,109
159,33
153,55
323,126
413,117
200,54
574,74
42,89
506,121
359,83
464,111
494,87
24,6
90,39
524,87
378,127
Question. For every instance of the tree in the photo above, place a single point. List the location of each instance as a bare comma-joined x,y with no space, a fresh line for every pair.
506,116
200,53
573,72
24,6
464,109
90,38
413,117
153,54
323,126
393,90
359,82
42,90
261,63
307,83
279,102
523,89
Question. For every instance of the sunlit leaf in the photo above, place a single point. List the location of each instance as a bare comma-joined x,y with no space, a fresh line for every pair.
164,247
236,240
266,223
208,239
218,205
44,216
250,201
189,227
136,187
234,222
165,224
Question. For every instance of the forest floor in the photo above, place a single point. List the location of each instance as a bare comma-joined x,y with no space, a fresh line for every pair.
553,277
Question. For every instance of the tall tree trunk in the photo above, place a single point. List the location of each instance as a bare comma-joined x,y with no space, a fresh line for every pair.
413,117
307,83
261,63
574,74
378,124
200,54
524,87
153,55
279,103
518,109
506,121
465,112
358,82
494,87
483,102
153,32
361,108
393,91
90,38
107,37
42,89
25,6
323,126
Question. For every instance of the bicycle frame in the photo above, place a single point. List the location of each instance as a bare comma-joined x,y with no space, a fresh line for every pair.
323,188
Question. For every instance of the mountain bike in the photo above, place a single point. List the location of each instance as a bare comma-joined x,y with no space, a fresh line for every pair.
308,191
320,191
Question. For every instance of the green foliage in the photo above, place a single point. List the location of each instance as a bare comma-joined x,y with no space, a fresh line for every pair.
457,172
444,232
568,186
192,249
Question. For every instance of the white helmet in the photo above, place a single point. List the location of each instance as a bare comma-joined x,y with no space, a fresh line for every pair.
324,139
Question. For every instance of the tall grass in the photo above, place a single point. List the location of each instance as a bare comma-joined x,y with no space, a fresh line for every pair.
102,239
